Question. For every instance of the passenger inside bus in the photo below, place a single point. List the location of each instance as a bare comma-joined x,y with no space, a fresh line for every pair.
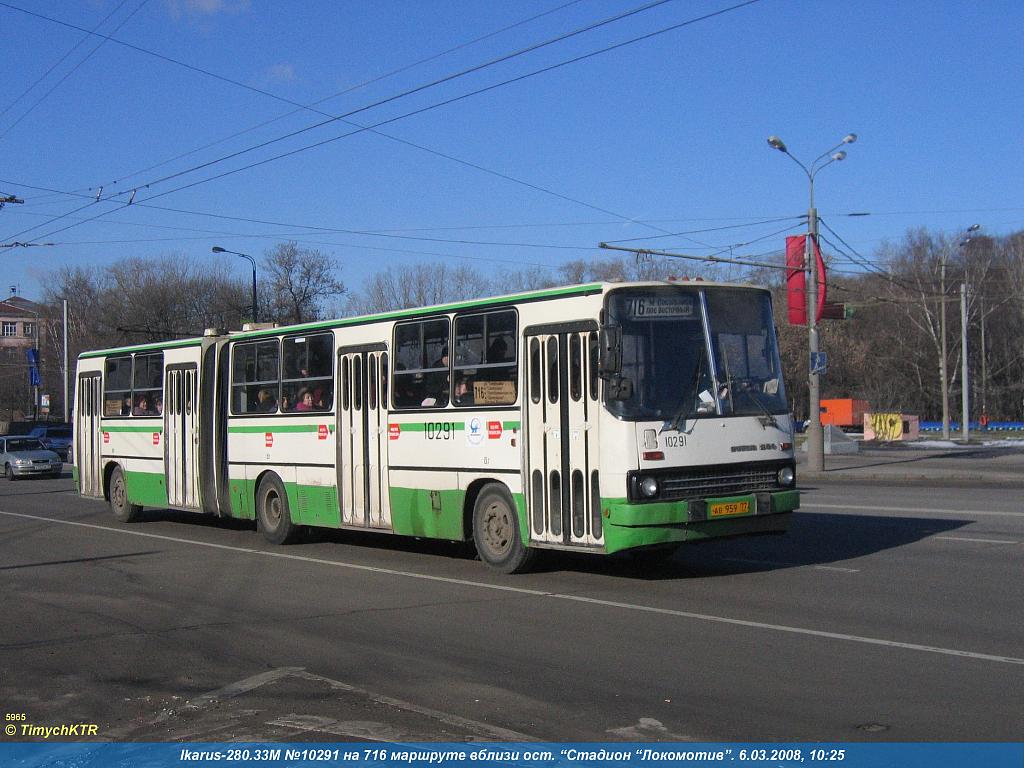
265,402
305,401
463,394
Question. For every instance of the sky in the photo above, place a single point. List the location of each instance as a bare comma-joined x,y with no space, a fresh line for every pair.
484,154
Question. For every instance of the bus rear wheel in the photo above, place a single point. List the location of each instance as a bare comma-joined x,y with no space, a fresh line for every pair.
496,532
124,511
273,517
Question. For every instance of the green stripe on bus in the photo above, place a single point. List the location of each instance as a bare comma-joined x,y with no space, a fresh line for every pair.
134,428
421,426
279,428
142,348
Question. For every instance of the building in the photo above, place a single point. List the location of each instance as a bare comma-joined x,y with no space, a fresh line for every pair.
19,324
19,331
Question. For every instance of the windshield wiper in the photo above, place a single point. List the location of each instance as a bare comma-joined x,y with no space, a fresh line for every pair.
768,418
706,404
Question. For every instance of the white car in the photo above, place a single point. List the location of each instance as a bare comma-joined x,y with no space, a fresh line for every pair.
25,456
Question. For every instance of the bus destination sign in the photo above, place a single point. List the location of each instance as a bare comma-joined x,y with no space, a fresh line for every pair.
655,307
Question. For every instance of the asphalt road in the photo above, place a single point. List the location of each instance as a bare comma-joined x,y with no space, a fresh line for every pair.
887,613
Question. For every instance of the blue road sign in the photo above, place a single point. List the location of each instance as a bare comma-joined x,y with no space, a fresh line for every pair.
819,362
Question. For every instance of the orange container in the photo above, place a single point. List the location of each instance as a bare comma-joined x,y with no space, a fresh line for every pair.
845,413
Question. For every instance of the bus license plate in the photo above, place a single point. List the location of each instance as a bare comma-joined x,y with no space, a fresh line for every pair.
727,508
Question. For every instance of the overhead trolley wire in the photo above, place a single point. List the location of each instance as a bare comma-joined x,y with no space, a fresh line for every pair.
446,102
309,229
74,69
380,102
357,86
861,260
707,229
335,118
299,107
61,60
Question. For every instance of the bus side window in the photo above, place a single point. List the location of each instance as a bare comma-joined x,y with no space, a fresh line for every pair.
594,351
552,369
422,367
147,383
256,377
575,367
307,381
117,386
371,383
535,365
485,370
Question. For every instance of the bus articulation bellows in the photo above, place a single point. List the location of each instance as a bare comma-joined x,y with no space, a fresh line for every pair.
600,418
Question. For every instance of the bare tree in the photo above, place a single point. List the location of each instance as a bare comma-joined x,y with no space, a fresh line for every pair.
417,286
299,281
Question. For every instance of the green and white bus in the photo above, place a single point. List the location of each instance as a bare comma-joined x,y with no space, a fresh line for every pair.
598,418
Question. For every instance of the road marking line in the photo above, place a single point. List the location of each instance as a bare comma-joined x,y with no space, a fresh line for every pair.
979,541
930,510
243,686
240,687
541,593
792,565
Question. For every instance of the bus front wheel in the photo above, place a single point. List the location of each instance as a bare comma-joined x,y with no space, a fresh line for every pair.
496,532
273,517
124,511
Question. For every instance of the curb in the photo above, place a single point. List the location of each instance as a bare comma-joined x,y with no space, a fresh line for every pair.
850,474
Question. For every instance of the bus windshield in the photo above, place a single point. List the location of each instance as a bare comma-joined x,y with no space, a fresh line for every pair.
697,352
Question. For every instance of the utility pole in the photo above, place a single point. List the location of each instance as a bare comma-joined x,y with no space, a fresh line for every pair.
965,412
67,410
984,363
943,375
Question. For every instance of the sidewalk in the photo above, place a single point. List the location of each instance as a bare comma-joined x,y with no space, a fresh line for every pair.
926,462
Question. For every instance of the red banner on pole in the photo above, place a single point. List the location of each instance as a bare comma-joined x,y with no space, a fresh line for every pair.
822,283
796,280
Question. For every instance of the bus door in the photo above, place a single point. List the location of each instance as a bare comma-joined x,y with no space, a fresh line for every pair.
89,435
561,415
181,436
362,443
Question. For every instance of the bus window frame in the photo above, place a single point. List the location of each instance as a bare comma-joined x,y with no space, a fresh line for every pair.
293,386
133,393
472,371
274,386
427,371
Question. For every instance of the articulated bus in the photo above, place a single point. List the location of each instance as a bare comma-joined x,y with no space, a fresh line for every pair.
600,418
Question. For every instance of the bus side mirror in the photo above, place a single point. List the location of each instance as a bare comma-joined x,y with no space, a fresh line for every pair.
609,362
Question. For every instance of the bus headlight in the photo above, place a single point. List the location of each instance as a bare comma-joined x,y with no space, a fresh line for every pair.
649,487
786,476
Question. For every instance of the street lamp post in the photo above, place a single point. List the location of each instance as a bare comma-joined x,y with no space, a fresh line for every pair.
815,434
963,239
255,307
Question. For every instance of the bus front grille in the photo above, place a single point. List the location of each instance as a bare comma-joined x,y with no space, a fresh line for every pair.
717,481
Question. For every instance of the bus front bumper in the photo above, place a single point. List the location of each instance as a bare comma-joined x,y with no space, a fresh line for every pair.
628,525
